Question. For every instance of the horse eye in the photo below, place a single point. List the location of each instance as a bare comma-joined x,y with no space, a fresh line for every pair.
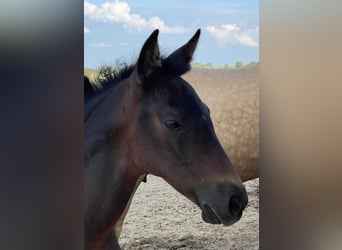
172,125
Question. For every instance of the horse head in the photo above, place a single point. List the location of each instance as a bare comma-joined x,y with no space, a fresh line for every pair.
173,134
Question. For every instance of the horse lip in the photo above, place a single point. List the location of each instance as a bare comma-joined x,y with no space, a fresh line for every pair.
210,215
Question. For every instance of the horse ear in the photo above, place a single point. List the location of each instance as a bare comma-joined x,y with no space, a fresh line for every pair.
149,57
179,60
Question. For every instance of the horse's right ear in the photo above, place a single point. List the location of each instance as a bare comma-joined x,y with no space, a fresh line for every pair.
149,58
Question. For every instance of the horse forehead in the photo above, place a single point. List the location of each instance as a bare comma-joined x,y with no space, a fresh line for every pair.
179,94
179,88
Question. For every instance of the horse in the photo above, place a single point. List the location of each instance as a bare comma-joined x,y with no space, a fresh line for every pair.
146,119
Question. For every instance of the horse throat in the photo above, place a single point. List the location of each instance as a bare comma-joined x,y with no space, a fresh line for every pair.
119,223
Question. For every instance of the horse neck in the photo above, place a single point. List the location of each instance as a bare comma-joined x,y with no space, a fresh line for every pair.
106,119
111,125
111,174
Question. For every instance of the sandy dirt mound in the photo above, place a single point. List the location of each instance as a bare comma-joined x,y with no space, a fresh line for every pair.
161,218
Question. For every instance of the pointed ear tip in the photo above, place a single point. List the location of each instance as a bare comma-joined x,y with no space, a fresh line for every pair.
197,34
155,32
153,36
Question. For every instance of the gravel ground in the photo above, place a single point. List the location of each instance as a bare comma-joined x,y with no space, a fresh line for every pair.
161,218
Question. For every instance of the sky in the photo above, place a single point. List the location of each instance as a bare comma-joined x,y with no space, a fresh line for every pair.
115,30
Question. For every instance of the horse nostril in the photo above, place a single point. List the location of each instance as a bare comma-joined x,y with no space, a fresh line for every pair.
234,206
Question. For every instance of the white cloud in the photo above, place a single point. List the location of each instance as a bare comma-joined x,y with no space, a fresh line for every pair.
100,45
123,44
86,30
119,12
231,34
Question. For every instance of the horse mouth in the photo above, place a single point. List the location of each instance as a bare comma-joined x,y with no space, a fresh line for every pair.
209,215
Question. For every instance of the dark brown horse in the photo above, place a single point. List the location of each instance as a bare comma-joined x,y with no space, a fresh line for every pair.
147,120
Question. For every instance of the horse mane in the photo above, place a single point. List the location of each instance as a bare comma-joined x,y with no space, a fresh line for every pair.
109,76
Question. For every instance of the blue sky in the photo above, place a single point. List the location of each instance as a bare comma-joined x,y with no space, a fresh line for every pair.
115,30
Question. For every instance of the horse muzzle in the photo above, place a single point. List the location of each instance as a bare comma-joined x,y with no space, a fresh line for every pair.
221,203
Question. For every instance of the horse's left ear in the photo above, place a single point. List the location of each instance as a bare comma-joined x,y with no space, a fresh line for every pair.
179,60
